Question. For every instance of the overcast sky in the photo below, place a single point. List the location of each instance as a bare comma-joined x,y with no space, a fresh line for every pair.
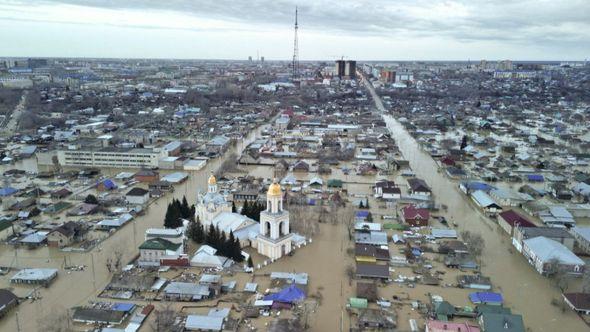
355,29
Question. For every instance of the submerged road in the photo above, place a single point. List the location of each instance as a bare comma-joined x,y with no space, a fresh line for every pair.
77,288
524,290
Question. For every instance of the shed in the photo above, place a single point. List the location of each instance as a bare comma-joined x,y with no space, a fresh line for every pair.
358,303
203,323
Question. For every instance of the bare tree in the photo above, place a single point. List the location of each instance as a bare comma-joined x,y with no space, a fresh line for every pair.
164,318
349,273
304,220
230,164
346,216
558,274
475,243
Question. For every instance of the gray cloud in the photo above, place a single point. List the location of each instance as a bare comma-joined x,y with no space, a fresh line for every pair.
512,21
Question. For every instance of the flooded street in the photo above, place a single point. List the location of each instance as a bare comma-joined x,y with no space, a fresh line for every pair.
77,288
525,291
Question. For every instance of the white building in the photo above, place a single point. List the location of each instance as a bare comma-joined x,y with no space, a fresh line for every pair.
275,239
153,250
272,236
174,235
137,196
213,209
111,157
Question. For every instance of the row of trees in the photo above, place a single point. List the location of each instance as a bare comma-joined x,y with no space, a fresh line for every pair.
228,246
252,209
177,211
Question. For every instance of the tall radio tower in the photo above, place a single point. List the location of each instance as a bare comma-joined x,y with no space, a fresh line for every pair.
295,64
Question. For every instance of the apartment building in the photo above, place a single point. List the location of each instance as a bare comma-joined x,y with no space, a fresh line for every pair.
111,157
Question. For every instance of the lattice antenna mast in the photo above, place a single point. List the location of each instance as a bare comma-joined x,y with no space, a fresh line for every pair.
295,65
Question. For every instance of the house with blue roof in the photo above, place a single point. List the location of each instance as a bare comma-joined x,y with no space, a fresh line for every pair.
468,187
7,191
488,298
106,185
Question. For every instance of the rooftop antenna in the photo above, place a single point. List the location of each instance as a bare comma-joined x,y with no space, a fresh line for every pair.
295,65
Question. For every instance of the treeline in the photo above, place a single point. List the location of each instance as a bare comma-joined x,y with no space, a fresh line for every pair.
252,209
228,246
177,211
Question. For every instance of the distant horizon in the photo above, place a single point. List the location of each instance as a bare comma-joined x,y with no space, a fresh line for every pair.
281,60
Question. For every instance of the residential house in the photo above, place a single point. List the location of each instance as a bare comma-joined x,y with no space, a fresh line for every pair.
373,271
63,235
147,175
137,196
301,166
153,250
579,302
106,185
370,254
415,217
508,197
557,234
510,219
485,202
218,144
500,322
581,235
542,253
186,291
204,323
7,301
419,187
446,326
60,193
379,185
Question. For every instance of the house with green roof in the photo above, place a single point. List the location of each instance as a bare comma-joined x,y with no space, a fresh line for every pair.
500,322
5,228
152,251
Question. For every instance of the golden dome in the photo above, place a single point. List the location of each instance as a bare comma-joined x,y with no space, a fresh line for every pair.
274,189
212,180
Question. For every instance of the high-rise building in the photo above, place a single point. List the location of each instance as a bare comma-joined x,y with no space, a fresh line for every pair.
350,69
250,58
339,68
345,69
262,59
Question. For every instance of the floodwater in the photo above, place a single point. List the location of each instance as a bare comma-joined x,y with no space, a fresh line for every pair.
525,291
76,288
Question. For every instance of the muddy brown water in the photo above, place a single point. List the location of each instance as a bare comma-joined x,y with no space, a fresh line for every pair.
525,291
76,288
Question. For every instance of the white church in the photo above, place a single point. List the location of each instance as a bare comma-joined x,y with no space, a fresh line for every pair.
271,237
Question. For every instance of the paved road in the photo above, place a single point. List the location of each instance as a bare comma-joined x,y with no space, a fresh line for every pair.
11,126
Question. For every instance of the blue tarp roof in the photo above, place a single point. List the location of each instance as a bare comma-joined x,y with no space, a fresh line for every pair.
287,295
109,184
362,214
7,191
123,307
535,177
486,297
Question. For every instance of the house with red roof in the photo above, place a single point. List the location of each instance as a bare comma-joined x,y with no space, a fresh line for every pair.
442,326
510,219
414,216
447,161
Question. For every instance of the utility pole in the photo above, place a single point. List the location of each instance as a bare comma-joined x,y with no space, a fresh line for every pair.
295,63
